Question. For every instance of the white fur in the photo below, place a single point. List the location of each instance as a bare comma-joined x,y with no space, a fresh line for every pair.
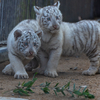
57,4
69,39
17,58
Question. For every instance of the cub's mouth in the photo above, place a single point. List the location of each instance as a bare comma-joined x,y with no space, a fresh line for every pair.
54,30
29,57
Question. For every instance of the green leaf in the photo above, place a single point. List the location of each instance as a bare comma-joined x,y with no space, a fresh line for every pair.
47,84
34,76
58,89
28,84
74,87
88,95
55,92
56,85
63,93
23,83
45,90
67,85
79,89
21,92
34,80
71,93
63,88
77,92
24,92
15,90
18,83
42,84
28,89
84,89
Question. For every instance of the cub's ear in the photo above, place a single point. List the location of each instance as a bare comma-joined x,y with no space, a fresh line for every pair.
17,34
38,10
39,33
57,4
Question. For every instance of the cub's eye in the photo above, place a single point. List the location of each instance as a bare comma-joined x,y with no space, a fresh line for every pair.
25,43
34,44
48,18
57,17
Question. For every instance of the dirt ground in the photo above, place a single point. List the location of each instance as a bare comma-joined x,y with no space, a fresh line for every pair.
66,71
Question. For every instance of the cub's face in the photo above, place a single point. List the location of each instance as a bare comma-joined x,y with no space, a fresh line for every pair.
28,43
49,17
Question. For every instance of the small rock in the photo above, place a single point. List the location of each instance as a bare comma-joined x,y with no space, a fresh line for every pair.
75,68
12,94
76,79
84,86
71,68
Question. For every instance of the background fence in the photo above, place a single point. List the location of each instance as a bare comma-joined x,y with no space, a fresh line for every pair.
14,11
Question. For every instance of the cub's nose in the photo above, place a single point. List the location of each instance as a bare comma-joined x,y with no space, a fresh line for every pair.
55,26
31,52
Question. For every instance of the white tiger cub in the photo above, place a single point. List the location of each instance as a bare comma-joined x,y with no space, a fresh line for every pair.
66,39
23,44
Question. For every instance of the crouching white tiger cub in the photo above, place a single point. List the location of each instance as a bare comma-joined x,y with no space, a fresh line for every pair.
66,39
23,44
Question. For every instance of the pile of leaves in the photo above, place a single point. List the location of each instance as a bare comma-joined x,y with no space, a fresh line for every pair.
25,89
66,87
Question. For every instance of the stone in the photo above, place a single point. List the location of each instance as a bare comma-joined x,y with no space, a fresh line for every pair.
10,98
3,54
75,68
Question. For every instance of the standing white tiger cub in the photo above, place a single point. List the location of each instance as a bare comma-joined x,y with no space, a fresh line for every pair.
66,39
23,44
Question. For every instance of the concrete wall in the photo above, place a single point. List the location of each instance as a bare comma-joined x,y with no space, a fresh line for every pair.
3,54
14,11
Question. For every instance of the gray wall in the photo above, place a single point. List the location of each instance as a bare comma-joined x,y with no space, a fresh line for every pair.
72,9
14,11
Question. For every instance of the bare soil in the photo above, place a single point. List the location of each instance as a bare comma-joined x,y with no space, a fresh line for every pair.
66,73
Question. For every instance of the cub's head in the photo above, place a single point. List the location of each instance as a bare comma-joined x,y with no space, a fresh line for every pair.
49,17
27,42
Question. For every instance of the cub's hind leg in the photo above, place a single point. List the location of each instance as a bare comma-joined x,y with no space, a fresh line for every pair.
43,59
94,63
98,72
8,70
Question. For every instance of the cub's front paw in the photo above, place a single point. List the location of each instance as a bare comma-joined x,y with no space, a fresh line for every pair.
98,72
50,73
19,75
89,72
8,70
